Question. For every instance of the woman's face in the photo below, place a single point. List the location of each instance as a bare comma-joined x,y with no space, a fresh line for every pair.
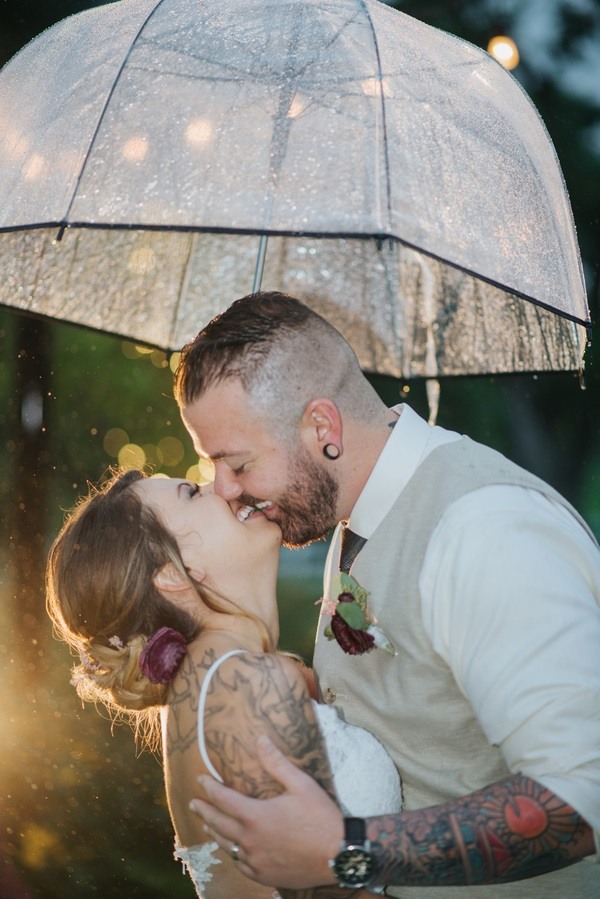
216,539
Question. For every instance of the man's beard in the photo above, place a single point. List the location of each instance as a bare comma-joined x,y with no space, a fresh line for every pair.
307,510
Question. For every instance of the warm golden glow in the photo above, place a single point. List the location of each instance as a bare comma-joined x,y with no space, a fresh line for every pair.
504,50
135,149
199,131
174,361
39,846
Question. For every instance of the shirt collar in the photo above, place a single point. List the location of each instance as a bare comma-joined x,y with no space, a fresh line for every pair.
393,470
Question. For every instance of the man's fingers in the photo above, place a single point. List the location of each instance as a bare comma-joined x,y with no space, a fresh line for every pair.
279,766
224,829
218,794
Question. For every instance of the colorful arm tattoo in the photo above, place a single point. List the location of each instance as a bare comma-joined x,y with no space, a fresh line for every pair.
511,830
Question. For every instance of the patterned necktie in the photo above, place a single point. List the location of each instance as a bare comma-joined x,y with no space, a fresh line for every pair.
350,546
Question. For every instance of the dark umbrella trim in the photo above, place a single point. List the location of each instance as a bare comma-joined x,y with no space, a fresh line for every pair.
330,235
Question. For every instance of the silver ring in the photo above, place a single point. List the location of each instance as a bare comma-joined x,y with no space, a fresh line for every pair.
235,849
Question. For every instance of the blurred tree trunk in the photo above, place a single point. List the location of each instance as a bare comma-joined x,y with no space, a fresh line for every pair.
27,527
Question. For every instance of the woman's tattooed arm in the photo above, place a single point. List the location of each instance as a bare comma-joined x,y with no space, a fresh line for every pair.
511,830
251,695
254,694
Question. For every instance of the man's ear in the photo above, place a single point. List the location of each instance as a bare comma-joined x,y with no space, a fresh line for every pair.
322,424
170,580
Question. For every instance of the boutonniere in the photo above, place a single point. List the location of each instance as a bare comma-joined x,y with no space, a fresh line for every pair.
351,625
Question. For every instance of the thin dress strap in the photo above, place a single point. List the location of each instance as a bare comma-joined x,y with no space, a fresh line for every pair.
202,704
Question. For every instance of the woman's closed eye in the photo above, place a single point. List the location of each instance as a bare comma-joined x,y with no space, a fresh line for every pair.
194,490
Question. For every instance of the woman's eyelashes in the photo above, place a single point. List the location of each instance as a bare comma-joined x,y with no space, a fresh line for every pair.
194,490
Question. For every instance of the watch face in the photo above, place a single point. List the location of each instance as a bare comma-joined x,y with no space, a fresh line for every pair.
354,867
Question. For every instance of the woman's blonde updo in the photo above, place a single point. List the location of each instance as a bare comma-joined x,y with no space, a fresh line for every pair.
102,599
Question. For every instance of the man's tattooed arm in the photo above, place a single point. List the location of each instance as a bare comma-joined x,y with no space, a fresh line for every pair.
511,830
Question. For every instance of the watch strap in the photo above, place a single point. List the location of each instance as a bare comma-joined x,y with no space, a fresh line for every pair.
355,831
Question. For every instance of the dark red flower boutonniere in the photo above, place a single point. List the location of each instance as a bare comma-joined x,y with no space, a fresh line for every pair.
351,625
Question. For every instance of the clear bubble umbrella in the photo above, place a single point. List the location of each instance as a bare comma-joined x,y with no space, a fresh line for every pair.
160,159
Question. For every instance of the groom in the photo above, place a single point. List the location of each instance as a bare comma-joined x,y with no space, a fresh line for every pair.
484,580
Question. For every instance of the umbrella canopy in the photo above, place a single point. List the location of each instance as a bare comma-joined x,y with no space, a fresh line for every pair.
408,186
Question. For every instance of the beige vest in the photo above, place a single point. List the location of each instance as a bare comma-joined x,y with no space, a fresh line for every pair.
411,701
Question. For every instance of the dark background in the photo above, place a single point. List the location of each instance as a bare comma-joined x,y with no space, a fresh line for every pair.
80,814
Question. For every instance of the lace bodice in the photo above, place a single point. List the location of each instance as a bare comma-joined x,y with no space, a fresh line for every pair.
365,779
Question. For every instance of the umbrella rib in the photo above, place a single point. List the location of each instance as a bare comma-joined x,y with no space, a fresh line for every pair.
383,114
103,113
185,280
265,68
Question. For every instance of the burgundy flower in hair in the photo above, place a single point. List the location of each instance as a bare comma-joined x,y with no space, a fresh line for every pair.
162,656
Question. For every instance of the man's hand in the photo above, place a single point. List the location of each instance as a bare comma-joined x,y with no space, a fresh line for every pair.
285,841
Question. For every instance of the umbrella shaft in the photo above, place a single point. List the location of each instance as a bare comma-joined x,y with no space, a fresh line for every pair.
260,263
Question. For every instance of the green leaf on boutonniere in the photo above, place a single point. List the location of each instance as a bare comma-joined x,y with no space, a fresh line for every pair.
345,583
328,632
352,614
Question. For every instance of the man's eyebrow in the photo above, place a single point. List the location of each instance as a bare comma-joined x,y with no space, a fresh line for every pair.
223,454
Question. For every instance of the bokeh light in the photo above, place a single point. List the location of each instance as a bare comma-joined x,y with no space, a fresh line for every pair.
131,456
504,50
158,358
135,149
199,131
154,457
203,472
113,440
172,450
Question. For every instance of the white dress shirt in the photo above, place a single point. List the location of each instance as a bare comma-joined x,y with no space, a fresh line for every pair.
510,598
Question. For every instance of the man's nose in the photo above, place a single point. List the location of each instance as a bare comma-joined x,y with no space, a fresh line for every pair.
225,483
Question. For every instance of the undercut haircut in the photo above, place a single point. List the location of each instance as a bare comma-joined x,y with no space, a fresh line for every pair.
283,354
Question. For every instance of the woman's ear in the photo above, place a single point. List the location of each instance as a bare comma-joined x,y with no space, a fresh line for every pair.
170,580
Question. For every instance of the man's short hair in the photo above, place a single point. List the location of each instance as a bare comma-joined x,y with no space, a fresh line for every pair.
236,343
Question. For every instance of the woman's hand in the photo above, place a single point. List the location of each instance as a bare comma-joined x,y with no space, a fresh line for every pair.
283,841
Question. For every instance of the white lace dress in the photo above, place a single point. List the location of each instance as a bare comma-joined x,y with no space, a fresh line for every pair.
365,778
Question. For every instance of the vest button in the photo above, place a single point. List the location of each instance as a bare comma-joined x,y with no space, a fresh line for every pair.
329,696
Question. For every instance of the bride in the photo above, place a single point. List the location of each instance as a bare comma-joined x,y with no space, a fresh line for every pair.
168,594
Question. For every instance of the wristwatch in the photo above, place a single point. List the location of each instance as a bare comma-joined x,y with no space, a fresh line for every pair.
354,865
